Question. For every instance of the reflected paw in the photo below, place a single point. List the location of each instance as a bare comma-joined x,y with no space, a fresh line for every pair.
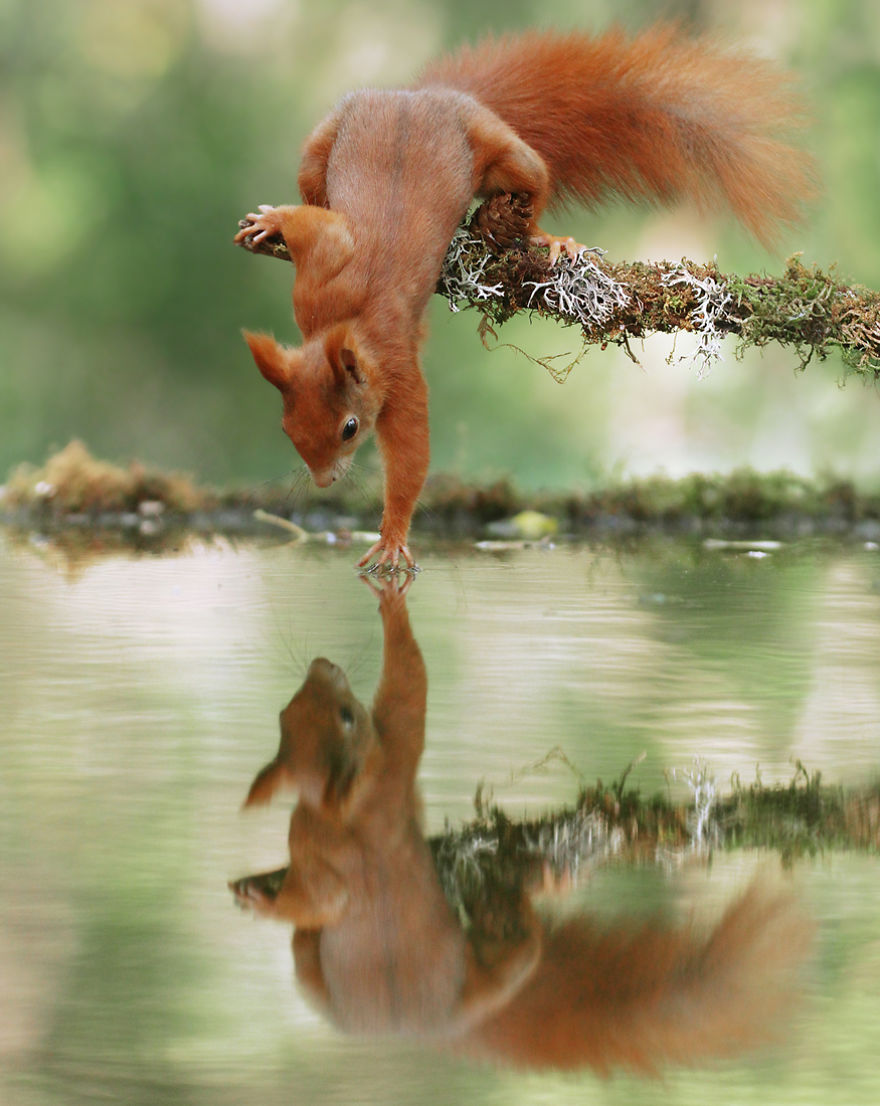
389,588
249,896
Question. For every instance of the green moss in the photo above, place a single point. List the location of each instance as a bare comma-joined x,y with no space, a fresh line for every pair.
73,482
488,861
806,309
92,505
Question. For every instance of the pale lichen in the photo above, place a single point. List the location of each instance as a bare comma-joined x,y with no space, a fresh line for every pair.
708,316
580,289
464,270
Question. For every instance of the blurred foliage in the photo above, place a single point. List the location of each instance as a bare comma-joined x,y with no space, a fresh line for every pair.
133,136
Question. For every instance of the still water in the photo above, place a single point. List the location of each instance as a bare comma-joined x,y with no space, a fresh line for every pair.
141,695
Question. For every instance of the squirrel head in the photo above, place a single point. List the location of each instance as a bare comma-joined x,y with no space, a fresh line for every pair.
329,406
326,736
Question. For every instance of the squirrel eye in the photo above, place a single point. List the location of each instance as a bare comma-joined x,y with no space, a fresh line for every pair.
346,716
350,429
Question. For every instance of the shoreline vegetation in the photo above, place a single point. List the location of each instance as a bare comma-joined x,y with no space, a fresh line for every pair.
137,506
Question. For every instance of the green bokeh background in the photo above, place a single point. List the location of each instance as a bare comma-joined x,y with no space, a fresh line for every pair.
135,133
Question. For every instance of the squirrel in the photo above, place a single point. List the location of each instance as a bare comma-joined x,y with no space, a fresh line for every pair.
377,946
389,175
379,949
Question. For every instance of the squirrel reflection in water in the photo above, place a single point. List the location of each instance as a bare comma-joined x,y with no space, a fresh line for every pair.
378,948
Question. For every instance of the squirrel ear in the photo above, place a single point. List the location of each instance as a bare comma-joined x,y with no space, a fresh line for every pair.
349,362
266,783
272,359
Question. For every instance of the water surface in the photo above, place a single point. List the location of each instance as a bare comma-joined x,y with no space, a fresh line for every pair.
141,694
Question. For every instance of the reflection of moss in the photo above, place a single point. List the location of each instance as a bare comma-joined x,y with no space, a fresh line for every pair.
804,816
616,823
494,856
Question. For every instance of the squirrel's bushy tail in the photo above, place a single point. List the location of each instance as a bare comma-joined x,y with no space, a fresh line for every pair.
657,117
641,998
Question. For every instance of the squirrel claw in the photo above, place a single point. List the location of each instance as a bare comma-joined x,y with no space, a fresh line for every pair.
389,555
257,227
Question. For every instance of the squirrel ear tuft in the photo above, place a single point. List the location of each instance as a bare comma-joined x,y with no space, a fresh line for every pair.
273,360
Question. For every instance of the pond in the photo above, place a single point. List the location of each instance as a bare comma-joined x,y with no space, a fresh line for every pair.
141,695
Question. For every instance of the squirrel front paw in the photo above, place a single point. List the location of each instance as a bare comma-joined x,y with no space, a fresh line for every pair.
388,553
256,228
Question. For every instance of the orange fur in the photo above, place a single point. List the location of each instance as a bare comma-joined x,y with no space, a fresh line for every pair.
641,997
660,118
377,946
388,176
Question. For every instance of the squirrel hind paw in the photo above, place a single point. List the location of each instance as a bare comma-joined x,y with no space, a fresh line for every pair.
558,245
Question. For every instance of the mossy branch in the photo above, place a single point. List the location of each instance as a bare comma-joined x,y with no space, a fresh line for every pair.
805,308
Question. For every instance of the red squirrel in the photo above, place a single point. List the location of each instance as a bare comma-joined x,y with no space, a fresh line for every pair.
388,176
377,946
379,949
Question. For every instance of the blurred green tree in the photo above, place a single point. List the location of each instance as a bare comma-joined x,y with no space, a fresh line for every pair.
133,135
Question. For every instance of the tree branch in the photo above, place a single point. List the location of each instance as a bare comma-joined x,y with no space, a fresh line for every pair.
807,309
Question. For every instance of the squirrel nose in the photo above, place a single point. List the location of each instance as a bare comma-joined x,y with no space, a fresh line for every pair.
323,479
